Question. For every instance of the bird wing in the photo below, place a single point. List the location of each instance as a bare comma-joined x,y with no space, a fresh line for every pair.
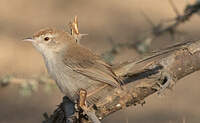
87,63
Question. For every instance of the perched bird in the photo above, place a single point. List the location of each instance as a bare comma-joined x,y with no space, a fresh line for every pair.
76,67
71,65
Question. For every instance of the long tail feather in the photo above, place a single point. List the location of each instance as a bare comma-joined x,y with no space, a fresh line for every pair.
123,68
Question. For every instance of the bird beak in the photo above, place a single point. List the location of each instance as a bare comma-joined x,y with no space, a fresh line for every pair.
28,39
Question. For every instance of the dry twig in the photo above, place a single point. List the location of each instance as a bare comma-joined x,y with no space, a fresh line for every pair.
139,84
164,27
157,30
147,81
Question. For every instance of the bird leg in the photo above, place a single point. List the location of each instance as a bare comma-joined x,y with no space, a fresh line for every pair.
87,110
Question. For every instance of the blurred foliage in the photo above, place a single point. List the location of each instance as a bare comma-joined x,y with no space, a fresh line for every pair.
28,85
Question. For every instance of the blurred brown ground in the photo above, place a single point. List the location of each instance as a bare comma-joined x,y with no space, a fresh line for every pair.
101,19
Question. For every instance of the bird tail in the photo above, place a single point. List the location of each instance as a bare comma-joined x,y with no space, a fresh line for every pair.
124,68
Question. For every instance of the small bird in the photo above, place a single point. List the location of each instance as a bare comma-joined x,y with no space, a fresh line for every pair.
75,67
72,65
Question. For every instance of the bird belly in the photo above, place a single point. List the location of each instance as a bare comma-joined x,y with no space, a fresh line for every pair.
69,81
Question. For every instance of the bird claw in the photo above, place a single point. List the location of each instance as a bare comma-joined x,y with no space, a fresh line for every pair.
87,110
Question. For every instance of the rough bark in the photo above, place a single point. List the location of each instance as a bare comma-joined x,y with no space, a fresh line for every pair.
149,80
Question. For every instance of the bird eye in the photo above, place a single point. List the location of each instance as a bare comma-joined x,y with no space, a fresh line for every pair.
46,38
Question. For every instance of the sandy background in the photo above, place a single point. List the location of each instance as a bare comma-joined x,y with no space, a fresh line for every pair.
102,19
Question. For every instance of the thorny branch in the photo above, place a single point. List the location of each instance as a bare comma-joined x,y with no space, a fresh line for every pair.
179,19
162,28
74,30
157,30
144,83
165,26
139,84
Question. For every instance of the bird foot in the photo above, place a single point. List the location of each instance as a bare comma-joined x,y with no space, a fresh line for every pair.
87,110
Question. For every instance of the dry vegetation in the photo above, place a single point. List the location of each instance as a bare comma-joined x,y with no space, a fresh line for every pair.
102,20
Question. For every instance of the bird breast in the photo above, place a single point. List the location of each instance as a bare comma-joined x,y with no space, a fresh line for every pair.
68,81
